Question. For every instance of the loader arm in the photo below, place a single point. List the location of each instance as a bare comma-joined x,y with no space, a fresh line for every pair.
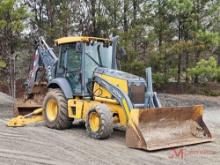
119,95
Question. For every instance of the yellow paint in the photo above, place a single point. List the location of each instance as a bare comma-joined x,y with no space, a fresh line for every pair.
125,107
86,105
105,100
81,108
20,121
94,121
134,116
102,92
36,112
77,105
51,109
134,122
72,39
198,111
120,83
118,109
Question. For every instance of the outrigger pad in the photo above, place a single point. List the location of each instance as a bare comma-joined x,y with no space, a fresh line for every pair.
35,117
159,128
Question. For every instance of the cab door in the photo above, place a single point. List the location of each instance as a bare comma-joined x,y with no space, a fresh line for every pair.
70,67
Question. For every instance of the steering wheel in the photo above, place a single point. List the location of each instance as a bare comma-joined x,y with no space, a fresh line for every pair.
73,73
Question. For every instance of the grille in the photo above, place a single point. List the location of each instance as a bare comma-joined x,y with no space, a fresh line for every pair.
137,92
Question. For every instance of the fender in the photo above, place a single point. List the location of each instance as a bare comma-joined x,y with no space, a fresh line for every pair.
64,85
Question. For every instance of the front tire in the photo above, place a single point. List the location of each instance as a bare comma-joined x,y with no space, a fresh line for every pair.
55,110
99,122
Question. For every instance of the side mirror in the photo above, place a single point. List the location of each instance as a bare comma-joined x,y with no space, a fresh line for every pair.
122,53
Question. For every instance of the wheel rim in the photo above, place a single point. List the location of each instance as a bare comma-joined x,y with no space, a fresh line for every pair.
52,109
94,121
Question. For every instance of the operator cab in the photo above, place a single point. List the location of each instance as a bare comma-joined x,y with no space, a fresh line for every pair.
79,57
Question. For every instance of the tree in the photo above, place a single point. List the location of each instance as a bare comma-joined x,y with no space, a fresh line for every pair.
206,70
13,17
169,35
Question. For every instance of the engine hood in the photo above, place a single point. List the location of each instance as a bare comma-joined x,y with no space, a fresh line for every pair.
118,74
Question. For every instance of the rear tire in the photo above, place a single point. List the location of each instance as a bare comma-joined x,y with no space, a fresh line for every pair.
99,122
55,110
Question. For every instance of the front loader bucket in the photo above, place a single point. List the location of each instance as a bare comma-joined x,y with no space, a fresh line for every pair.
159,128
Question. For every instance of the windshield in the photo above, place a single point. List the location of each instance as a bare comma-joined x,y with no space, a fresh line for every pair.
97,54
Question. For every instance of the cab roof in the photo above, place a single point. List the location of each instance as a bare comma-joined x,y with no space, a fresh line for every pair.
72,39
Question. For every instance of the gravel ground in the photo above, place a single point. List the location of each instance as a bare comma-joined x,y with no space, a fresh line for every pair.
37,144
6,103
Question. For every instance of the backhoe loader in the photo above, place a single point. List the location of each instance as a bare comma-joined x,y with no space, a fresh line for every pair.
83,82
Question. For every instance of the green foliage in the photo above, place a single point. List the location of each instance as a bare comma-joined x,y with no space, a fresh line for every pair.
12,15
2,64
171,36
180,6
209,39
13,21
206,69
138,68
159,78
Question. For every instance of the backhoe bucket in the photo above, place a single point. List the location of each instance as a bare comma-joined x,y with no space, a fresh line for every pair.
24,107
30,102
159,128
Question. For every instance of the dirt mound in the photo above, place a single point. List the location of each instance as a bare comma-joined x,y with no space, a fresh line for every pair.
20,88
6,105
188,100
207,89
5,99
